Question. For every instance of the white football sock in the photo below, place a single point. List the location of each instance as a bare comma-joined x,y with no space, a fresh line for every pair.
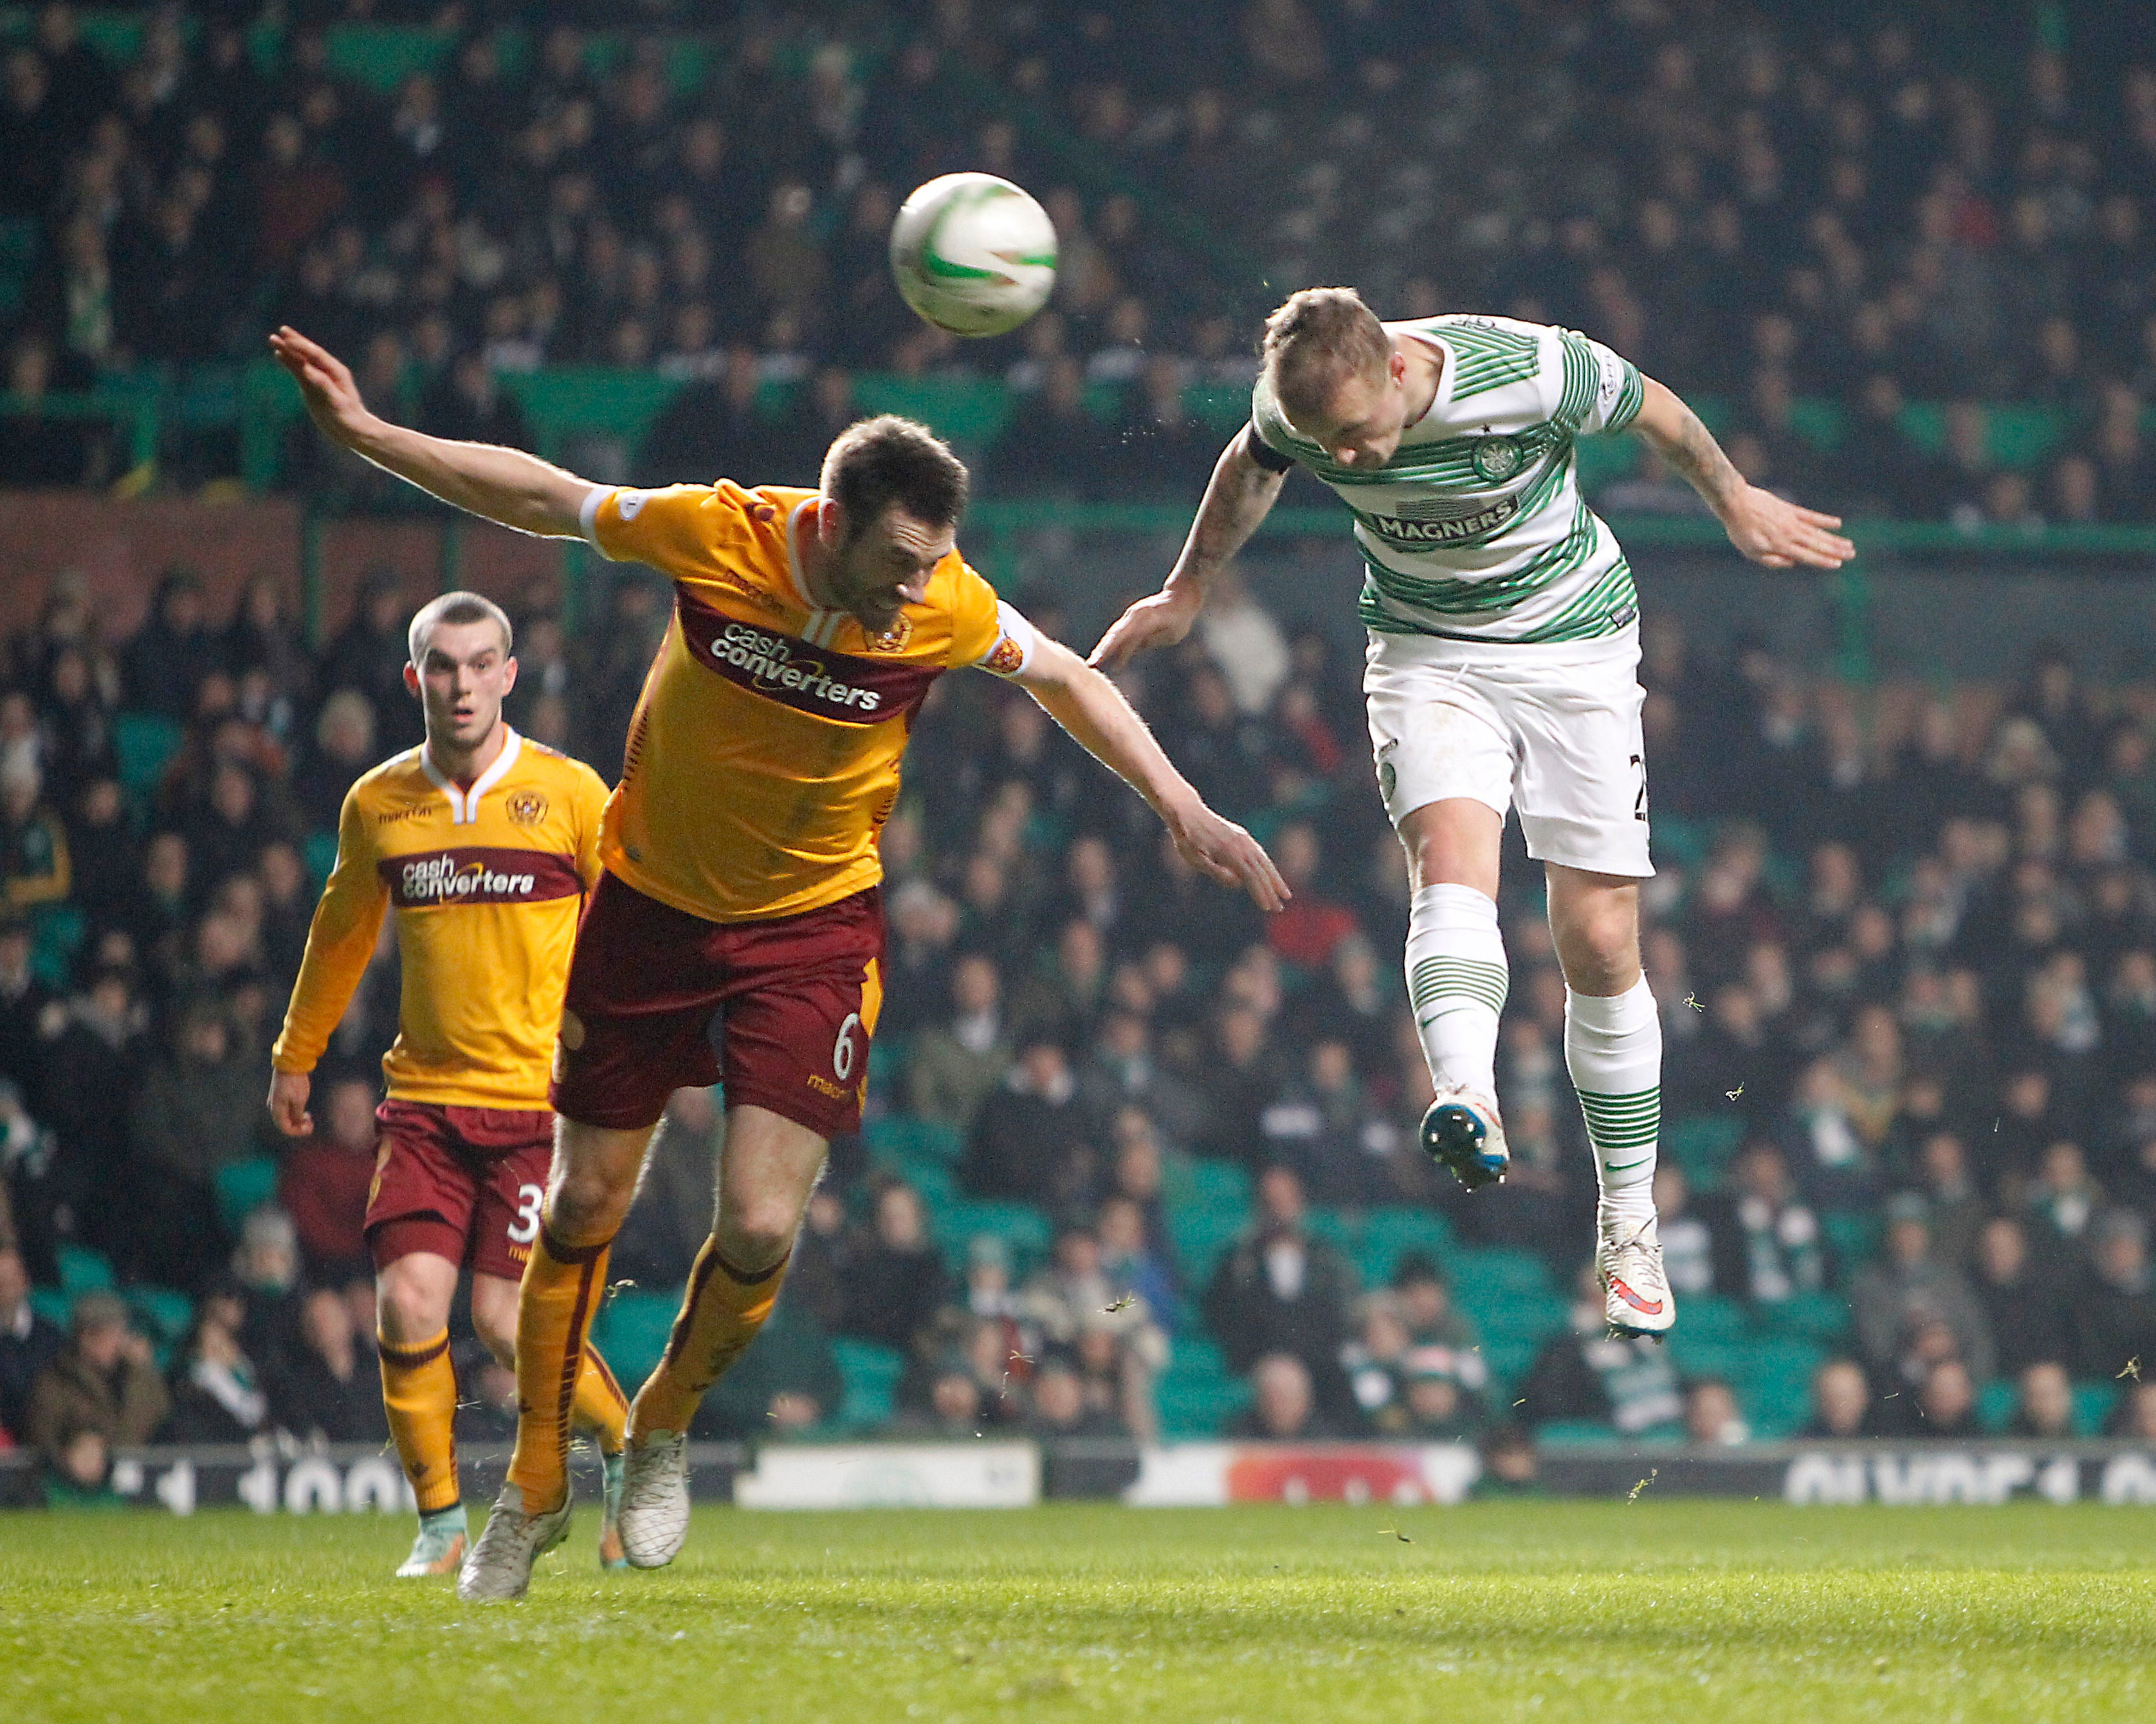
1456,984
1613,1048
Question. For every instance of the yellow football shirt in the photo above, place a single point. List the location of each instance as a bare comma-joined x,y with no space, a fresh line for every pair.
763,758
488,885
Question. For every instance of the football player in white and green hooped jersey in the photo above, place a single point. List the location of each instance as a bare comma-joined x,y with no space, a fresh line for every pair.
1504,649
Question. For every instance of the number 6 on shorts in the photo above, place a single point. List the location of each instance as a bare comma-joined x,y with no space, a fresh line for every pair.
842,1050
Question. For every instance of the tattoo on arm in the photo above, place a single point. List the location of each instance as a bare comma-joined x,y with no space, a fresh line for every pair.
1694,455
1239,497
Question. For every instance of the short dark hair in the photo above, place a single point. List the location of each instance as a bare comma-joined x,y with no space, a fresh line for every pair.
876,463
1320,338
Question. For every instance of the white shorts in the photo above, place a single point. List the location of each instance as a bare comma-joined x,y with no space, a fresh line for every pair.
1551,729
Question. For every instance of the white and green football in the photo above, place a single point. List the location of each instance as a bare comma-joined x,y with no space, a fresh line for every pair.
973,255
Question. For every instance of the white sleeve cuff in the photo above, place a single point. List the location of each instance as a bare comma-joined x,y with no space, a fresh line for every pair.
1014,643
588,515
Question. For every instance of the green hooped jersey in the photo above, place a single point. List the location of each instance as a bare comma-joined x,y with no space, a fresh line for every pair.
1475,529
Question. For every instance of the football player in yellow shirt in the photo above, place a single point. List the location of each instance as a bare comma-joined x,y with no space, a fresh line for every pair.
740,904
484,844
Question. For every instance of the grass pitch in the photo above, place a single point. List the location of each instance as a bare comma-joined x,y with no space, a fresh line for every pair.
1501,1610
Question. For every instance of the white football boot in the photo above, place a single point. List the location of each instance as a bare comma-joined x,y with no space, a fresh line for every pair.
1636,1296
1461,1130
500,1566
439,1548
655,1499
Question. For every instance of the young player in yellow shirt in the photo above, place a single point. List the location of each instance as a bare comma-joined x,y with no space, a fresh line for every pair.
484,844
738,927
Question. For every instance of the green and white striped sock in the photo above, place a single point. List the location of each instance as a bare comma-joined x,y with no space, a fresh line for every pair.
1456,984
1613,1048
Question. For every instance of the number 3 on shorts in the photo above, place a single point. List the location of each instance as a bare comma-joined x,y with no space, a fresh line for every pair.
526,1228
842,1050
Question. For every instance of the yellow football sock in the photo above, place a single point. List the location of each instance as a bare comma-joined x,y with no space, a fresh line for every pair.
724,1309
419,1394
564,1284
602,1409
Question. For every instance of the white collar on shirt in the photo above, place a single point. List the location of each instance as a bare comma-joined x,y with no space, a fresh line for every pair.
464,805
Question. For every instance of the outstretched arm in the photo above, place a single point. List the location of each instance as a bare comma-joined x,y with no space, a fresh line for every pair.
1091,708
1761,525
1238,497
504,485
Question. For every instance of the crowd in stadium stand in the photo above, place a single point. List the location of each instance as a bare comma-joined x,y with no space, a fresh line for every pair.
1816,224
1904,937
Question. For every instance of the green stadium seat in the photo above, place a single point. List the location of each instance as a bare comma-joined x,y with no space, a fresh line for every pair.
1201,1235
932,1179
114,35
382,56
1020,1226
2093,1403
599,399
1696,1356
1340,1229
1517,1314
165,1311
1508,1357
968,411
1682,841
1198,1407
18,260
906,1138
1198,1355
83,1270
144,742
1821,1317
631,1329
51,1304
1701,1144
319,854
269,403
871,1375
1577,1434
56,935
1706,1316
203,396
1820,423
1223,407
886,1066
1395,1232
1774,1383
1598,460
1490,1269
1775,1410
1204,1179
1854,1234
2016,435
242,1187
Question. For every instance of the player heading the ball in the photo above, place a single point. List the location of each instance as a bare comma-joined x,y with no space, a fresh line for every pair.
1502,671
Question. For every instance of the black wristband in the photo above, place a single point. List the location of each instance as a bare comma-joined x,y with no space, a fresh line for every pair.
1262,452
